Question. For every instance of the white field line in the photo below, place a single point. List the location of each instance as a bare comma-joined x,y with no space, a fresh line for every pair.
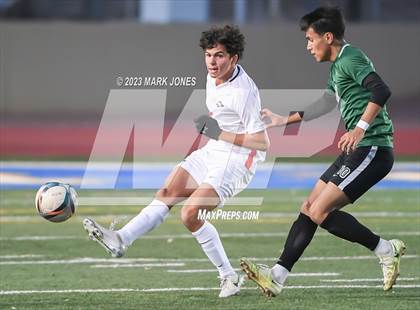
348,286
188,289
369,199
189,236
91,260
195,270
367,257
139,265
39,238
378,214
314,274
143,201
20,256
234,201
356,214
364,280
301,274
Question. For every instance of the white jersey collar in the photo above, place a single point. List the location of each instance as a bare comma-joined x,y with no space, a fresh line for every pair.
342,49
234,75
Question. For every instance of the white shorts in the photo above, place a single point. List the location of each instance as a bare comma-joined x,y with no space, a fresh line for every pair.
226,171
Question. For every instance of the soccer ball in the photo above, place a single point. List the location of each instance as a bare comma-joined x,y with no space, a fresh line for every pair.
56,201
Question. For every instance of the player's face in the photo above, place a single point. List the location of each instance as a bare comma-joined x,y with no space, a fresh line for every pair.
219,63
318,45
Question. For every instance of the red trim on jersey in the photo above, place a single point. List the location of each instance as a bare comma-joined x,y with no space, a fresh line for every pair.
250,159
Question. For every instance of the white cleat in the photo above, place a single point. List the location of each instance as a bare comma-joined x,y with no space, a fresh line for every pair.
391,264
231,285
108,239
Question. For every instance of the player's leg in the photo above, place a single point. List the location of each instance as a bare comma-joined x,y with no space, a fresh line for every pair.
300,235
271,280
178,186
206,198
303,229
358,172
325,212
227,176
361,170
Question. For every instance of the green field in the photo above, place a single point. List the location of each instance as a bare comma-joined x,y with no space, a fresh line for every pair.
54,266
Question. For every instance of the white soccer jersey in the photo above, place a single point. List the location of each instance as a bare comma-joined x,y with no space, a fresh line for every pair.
236,106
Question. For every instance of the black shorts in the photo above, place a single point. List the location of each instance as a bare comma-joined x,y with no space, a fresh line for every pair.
357,172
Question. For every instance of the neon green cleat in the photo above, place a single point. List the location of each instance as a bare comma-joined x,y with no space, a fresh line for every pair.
391,264
261,274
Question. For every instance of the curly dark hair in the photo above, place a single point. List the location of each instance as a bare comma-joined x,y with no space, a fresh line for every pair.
229,36
324,19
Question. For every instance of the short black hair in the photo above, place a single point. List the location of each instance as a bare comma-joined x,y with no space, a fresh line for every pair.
324,19
229,36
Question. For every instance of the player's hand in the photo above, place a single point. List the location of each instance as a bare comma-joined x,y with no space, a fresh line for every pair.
349,141
272,119
208,126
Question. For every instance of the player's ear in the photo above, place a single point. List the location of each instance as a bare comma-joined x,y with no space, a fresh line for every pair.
235,59
329,37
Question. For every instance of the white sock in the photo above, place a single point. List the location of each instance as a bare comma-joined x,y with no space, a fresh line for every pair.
384,248
148,219
210,242
279,273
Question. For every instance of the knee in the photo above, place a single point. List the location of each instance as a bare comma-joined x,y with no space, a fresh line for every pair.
189,217
317,216
306,206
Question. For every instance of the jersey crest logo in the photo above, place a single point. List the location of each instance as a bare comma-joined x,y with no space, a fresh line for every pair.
343,172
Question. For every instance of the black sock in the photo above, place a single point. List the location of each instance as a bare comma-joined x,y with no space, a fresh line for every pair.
300,235
345,226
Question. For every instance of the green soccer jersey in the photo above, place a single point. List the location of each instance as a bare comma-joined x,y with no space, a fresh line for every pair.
346,77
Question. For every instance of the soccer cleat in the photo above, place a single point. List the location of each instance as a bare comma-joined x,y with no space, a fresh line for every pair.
108,239
230,285
261,274
391,264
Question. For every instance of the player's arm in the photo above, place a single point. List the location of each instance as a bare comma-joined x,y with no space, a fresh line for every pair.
256,141
316,109
209,127
380,93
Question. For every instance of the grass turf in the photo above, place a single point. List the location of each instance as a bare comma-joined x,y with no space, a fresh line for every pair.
170,244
